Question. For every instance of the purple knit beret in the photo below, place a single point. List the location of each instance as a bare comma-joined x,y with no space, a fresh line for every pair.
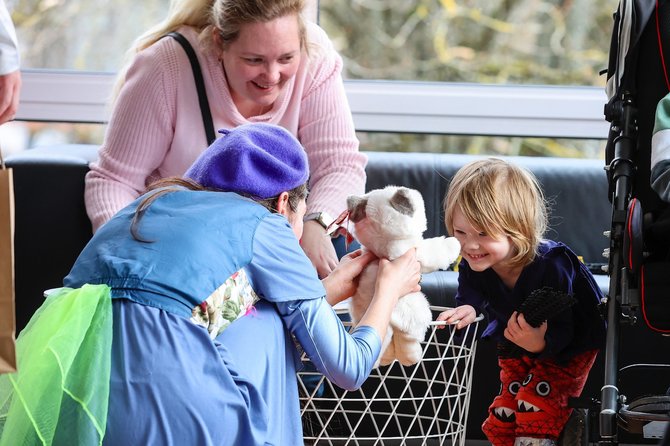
261,160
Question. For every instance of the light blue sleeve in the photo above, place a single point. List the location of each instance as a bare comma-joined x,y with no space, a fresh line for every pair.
279,270
346,359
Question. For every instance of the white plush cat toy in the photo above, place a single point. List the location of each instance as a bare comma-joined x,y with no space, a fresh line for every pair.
388,222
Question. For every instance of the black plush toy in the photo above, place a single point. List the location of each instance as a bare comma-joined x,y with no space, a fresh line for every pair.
540,305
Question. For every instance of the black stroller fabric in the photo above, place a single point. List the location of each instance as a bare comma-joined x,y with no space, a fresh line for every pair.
637,67
639,75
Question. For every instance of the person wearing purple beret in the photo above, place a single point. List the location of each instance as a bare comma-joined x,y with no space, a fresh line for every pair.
178,322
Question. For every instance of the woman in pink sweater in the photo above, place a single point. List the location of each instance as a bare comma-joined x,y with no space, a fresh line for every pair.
260,62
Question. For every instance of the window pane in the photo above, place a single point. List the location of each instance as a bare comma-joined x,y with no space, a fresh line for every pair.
551,42
17,136
88,35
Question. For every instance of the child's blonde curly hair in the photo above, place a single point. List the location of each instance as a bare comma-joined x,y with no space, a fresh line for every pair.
502,200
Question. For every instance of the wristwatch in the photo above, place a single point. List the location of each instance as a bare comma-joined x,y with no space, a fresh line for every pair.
324,219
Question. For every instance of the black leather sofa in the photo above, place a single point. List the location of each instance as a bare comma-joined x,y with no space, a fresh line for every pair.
52,227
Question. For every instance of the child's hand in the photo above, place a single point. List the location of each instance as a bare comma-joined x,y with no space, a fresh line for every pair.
524,335
461,316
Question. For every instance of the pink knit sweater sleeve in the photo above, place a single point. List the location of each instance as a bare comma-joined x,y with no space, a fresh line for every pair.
138,136
326,130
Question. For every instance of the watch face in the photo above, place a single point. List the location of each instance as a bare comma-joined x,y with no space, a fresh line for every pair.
325,219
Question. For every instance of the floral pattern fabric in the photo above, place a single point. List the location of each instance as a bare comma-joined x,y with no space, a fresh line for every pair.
232,300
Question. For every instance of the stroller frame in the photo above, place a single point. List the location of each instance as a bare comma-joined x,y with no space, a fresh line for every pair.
627,167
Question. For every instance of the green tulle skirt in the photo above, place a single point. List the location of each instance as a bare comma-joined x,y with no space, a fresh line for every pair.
60,393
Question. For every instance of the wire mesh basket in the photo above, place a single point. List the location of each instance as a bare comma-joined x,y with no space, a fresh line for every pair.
426,403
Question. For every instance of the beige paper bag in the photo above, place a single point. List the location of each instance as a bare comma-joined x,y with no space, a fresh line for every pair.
7,315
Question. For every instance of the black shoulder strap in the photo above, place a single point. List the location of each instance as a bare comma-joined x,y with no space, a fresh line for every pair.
199,84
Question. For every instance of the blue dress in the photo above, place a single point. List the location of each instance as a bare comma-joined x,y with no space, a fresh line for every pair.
173,382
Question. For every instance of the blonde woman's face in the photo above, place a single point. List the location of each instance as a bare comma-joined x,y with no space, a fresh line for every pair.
259,64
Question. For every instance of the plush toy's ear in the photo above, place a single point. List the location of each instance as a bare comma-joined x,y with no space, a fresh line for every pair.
401,202
356,206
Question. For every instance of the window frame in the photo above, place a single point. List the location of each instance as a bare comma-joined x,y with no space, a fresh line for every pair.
377,106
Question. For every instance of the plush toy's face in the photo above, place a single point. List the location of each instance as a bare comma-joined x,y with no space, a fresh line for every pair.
384,216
